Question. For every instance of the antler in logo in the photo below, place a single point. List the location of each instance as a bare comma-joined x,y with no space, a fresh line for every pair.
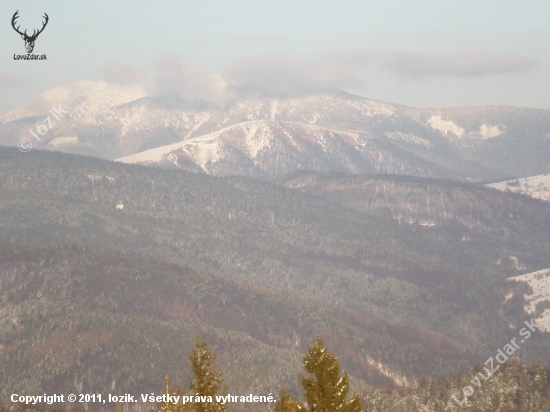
29,40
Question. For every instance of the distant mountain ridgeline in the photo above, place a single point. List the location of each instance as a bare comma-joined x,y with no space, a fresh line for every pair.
271,137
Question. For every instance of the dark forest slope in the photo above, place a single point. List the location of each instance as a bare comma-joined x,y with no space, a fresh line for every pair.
448,278
72,320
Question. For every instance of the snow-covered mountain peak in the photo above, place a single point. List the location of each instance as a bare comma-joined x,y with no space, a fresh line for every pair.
269,136
83,100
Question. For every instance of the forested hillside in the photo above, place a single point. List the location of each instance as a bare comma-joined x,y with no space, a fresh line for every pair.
509,229
400,288
75,320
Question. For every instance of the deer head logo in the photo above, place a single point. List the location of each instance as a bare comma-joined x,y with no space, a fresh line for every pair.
29,40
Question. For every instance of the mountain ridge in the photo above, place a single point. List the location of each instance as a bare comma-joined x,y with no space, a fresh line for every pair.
113,122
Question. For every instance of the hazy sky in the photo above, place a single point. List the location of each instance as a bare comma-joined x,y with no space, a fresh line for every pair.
421,53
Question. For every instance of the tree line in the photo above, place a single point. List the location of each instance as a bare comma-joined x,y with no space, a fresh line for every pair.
516,387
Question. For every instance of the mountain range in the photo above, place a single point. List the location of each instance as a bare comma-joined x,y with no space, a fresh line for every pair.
271,137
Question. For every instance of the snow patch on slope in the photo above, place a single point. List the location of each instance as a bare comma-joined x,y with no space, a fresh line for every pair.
489,132
205,151
539,282
256,137
445,126
58,141
409,138
398,378
156,155
537,186
274,108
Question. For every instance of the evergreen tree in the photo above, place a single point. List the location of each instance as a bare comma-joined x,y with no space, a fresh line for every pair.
207,381
287,403
326,390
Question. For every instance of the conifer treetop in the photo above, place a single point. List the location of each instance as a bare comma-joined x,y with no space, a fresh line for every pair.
207,381
326,390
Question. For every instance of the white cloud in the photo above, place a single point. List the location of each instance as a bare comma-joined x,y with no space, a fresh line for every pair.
460,63
122,74
173,76
284,76
287,76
